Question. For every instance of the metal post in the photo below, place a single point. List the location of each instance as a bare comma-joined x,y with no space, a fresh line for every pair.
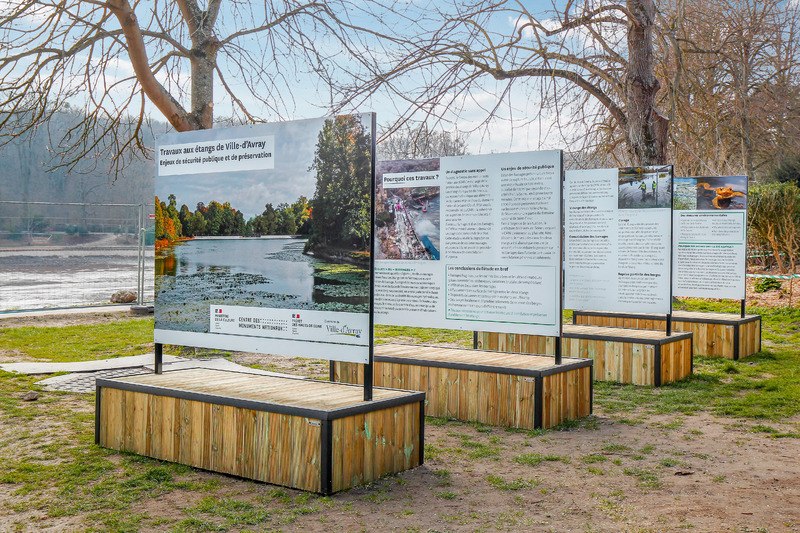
744,304
158,364
140,262
558,349
561,225
474,340
669,324
369,368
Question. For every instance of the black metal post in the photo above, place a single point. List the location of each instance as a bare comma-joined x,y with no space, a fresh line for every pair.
159,365
744,304
474,340
561,225
558,349
369,368
669,324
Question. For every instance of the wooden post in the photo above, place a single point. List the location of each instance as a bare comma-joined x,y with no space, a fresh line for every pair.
158,364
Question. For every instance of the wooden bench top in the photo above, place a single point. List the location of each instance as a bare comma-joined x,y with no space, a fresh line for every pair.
269,393
643,336
476,360
680,316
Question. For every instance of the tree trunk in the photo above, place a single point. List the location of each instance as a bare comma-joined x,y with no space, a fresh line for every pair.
647,127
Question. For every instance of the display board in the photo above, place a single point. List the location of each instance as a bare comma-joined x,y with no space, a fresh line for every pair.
710,244
263,238
470,242
618,235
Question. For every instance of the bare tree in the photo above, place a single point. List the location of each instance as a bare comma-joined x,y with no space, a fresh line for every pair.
419,142
593,63
115,58
732,73
711,85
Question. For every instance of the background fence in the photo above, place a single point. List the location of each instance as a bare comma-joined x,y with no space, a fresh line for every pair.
56,255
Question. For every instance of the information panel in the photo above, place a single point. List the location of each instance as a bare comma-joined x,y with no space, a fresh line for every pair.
618,230
470,242
710,244
263,236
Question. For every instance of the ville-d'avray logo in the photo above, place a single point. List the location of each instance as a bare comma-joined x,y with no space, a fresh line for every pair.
344,330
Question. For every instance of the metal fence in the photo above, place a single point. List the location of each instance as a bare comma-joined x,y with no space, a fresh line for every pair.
60,255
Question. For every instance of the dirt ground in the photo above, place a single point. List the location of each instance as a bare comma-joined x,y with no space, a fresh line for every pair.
639,473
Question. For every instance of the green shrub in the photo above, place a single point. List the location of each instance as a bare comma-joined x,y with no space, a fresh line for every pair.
766,284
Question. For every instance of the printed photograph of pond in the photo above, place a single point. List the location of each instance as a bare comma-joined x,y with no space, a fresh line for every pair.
257,272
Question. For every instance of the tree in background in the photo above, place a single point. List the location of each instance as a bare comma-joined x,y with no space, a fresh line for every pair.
340,209
406,142
773,215
591,62
712,86
159,220
731,71
113,58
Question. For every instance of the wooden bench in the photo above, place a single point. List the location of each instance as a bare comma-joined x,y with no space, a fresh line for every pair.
300,433
512,390
714,334
639,357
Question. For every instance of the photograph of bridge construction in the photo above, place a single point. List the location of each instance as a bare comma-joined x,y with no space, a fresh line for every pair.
407,218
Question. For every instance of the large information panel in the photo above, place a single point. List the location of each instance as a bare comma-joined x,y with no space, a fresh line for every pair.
710,244
618,231
263,238
470,242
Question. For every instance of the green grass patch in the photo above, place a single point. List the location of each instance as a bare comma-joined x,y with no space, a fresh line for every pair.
235,512
384,334
594,458
534,459
646,477
80,343
474,449
501,483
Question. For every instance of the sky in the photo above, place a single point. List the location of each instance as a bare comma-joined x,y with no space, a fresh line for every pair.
518,126
306,97
249,191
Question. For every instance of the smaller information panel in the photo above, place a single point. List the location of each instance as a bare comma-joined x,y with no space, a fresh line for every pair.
469,242
618,226
710,243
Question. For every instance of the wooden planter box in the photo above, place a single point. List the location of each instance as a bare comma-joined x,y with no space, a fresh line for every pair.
640,357
512,390
714,334
304,434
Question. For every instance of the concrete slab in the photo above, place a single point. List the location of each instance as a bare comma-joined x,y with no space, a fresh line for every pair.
86,366
85,381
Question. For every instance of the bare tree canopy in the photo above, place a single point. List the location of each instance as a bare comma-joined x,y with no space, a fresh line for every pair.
419,142
732,81
614,76
604,49
117,59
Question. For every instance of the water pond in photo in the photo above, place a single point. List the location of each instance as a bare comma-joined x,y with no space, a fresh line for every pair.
191,276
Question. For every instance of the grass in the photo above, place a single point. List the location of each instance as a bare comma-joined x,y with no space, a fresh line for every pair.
500,483
401,334
80,343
